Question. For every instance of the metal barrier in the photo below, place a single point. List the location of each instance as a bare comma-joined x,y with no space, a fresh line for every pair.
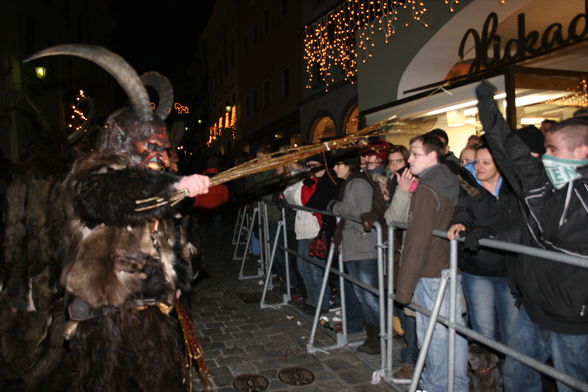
453,327
259,215
386,298
342,338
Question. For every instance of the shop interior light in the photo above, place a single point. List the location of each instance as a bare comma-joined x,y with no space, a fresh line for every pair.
537,98
531,120
462,105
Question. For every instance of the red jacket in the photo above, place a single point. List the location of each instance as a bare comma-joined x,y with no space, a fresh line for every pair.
217,195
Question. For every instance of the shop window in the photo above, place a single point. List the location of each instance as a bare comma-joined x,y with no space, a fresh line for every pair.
323,127
352,122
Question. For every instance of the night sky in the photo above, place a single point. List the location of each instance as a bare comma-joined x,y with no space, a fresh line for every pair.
159,35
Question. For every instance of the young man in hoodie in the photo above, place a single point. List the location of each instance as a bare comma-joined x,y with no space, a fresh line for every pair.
425,256
552,322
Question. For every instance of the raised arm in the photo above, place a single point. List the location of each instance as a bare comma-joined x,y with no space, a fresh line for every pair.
523,171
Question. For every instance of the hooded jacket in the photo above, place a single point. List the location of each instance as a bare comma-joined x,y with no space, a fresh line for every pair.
431,207
555,295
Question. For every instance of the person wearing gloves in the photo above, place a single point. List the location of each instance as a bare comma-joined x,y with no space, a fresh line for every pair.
486,208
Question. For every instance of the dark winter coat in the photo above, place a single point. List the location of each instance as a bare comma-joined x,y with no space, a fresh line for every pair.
479,209
554,294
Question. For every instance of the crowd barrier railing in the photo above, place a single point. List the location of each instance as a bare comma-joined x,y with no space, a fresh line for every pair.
341,338
453,327
386,296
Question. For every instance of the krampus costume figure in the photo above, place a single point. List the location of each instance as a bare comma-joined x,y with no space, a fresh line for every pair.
124,264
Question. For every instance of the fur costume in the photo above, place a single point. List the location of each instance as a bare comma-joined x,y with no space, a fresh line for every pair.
120,268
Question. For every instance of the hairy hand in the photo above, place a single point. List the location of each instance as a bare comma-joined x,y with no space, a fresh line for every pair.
194,185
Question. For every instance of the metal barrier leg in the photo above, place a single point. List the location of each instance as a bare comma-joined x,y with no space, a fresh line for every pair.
237,228
243,225
262,303
341,341
452,307
381,299
288,295
310,345
430,329
390,303
241,276
265,260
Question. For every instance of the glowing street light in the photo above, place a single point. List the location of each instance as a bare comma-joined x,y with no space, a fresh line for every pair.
40,71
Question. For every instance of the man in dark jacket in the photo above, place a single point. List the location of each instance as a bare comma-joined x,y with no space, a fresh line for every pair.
553,320
425,256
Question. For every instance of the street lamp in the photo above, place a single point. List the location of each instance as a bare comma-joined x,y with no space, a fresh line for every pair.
228,108
40,71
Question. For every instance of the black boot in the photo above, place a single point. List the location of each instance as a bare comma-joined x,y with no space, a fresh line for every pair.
371,345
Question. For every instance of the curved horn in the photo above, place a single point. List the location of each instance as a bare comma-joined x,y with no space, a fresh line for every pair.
164,90
112,63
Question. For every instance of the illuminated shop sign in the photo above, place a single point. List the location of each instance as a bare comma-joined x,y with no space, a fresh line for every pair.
526,45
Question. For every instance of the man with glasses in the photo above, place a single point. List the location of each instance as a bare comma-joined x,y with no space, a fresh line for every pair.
425,256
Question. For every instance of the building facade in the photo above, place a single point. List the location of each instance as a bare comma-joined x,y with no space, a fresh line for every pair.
29,105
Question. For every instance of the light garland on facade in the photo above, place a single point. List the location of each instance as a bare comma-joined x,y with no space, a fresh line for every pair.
226,121
577,97
78,117
333,42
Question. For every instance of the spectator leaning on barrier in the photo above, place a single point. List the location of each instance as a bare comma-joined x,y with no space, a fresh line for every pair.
358,247
487,208
425,256
552,322
404,183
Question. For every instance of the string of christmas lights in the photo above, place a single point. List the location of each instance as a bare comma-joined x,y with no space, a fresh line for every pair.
226,121
577,97
78,117
346,34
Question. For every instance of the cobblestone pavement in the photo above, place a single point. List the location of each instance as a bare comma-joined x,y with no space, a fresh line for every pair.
241,338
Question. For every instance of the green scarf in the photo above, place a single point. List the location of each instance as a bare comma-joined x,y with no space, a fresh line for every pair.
561,171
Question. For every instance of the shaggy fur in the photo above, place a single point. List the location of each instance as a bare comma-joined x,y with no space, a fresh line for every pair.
114,256
110,257
128,347
483,370
28,308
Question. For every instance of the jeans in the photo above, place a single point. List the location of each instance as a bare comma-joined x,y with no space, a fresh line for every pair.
353,308
487,298
410,353
434,376
569,354
366,271
312,276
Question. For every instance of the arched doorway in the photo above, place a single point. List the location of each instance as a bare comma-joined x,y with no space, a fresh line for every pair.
323,127
352,121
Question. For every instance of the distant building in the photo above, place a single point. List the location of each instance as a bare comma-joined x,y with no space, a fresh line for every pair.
29,104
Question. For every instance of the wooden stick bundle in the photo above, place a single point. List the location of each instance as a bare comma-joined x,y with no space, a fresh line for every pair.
279,159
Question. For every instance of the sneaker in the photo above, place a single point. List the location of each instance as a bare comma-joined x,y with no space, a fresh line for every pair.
297,299
405,371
